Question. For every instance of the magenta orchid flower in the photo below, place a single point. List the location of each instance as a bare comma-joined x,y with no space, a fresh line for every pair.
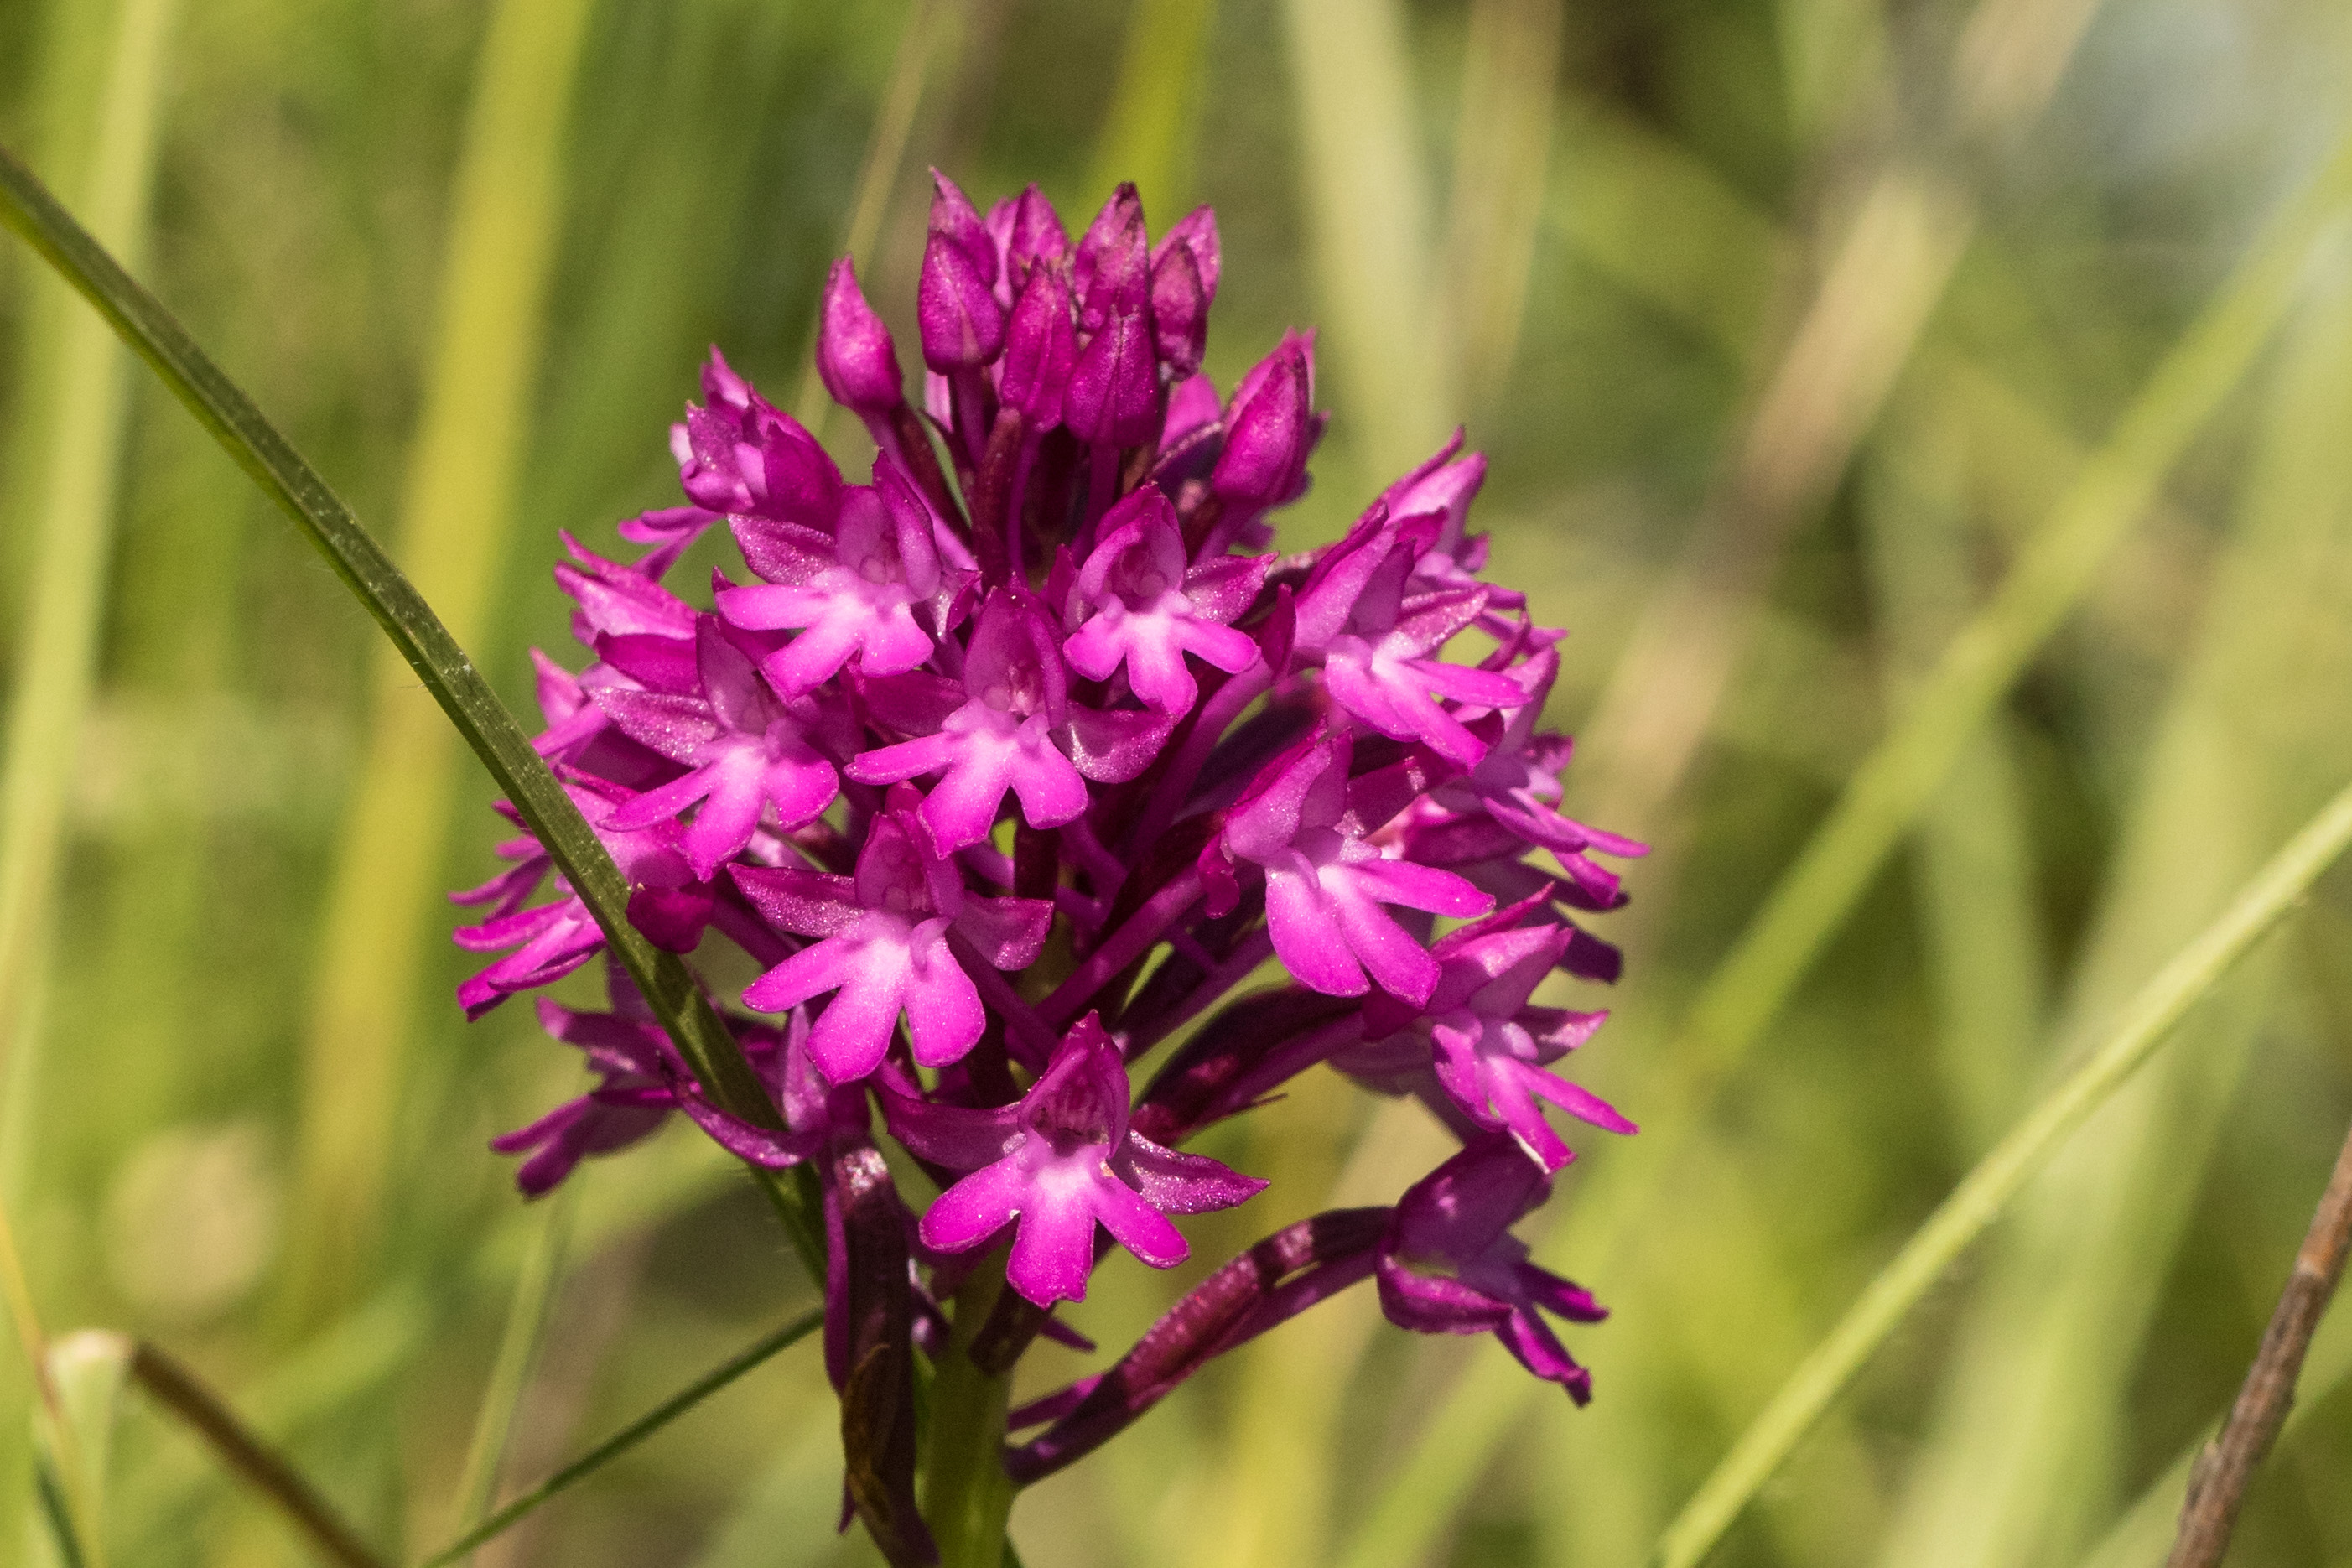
1325,885
1008,726
1449,1265
1377,648
885,947
747,751
1145,607
854,593
1010,768
1485,1044
1056,1165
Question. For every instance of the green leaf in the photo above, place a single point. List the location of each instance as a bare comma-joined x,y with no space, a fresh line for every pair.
289,481
1981,1197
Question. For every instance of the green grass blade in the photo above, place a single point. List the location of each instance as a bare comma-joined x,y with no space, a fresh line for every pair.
1979,1198
1888,792
1510,62
1879,806
877,177
456,512
629,1436
296,489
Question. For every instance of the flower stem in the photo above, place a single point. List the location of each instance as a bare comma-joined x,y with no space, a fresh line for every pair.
967,1496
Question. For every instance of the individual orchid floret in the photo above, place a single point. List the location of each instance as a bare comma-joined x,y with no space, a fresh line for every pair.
1449,1265
854,593
747,752
1325,885
1195,232
1270,430
630,1100
887,946
1138,603
1377,648
1061,1161
1003,729
666,901
955,304
1114,398
1517,784
1491,1044
743,456
855,356
1443,488
613,599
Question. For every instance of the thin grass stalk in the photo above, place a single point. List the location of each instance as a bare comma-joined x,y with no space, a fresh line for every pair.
1886,794
1972,872
72,1504
2068,1298
519,1346
628,1437
1880,283
455,513
447,671
184,1397
83,379
1880,804
1985,1192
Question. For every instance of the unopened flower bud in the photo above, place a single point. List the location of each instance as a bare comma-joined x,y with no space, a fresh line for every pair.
855,355
962,323
1041,349
1270,429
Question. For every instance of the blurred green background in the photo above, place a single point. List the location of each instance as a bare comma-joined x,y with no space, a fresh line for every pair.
1794,329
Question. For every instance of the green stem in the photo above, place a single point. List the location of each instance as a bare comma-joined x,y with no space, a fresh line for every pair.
967,1496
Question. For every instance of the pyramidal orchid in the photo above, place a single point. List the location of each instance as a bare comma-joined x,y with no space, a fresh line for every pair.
1008,769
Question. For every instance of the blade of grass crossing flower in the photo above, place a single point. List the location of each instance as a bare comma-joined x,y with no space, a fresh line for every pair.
2074,1283
629,1436
456,503
1879,804
444,666
519,1346
1981,1198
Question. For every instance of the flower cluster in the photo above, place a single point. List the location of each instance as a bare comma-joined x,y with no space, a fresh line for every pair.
1008,766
